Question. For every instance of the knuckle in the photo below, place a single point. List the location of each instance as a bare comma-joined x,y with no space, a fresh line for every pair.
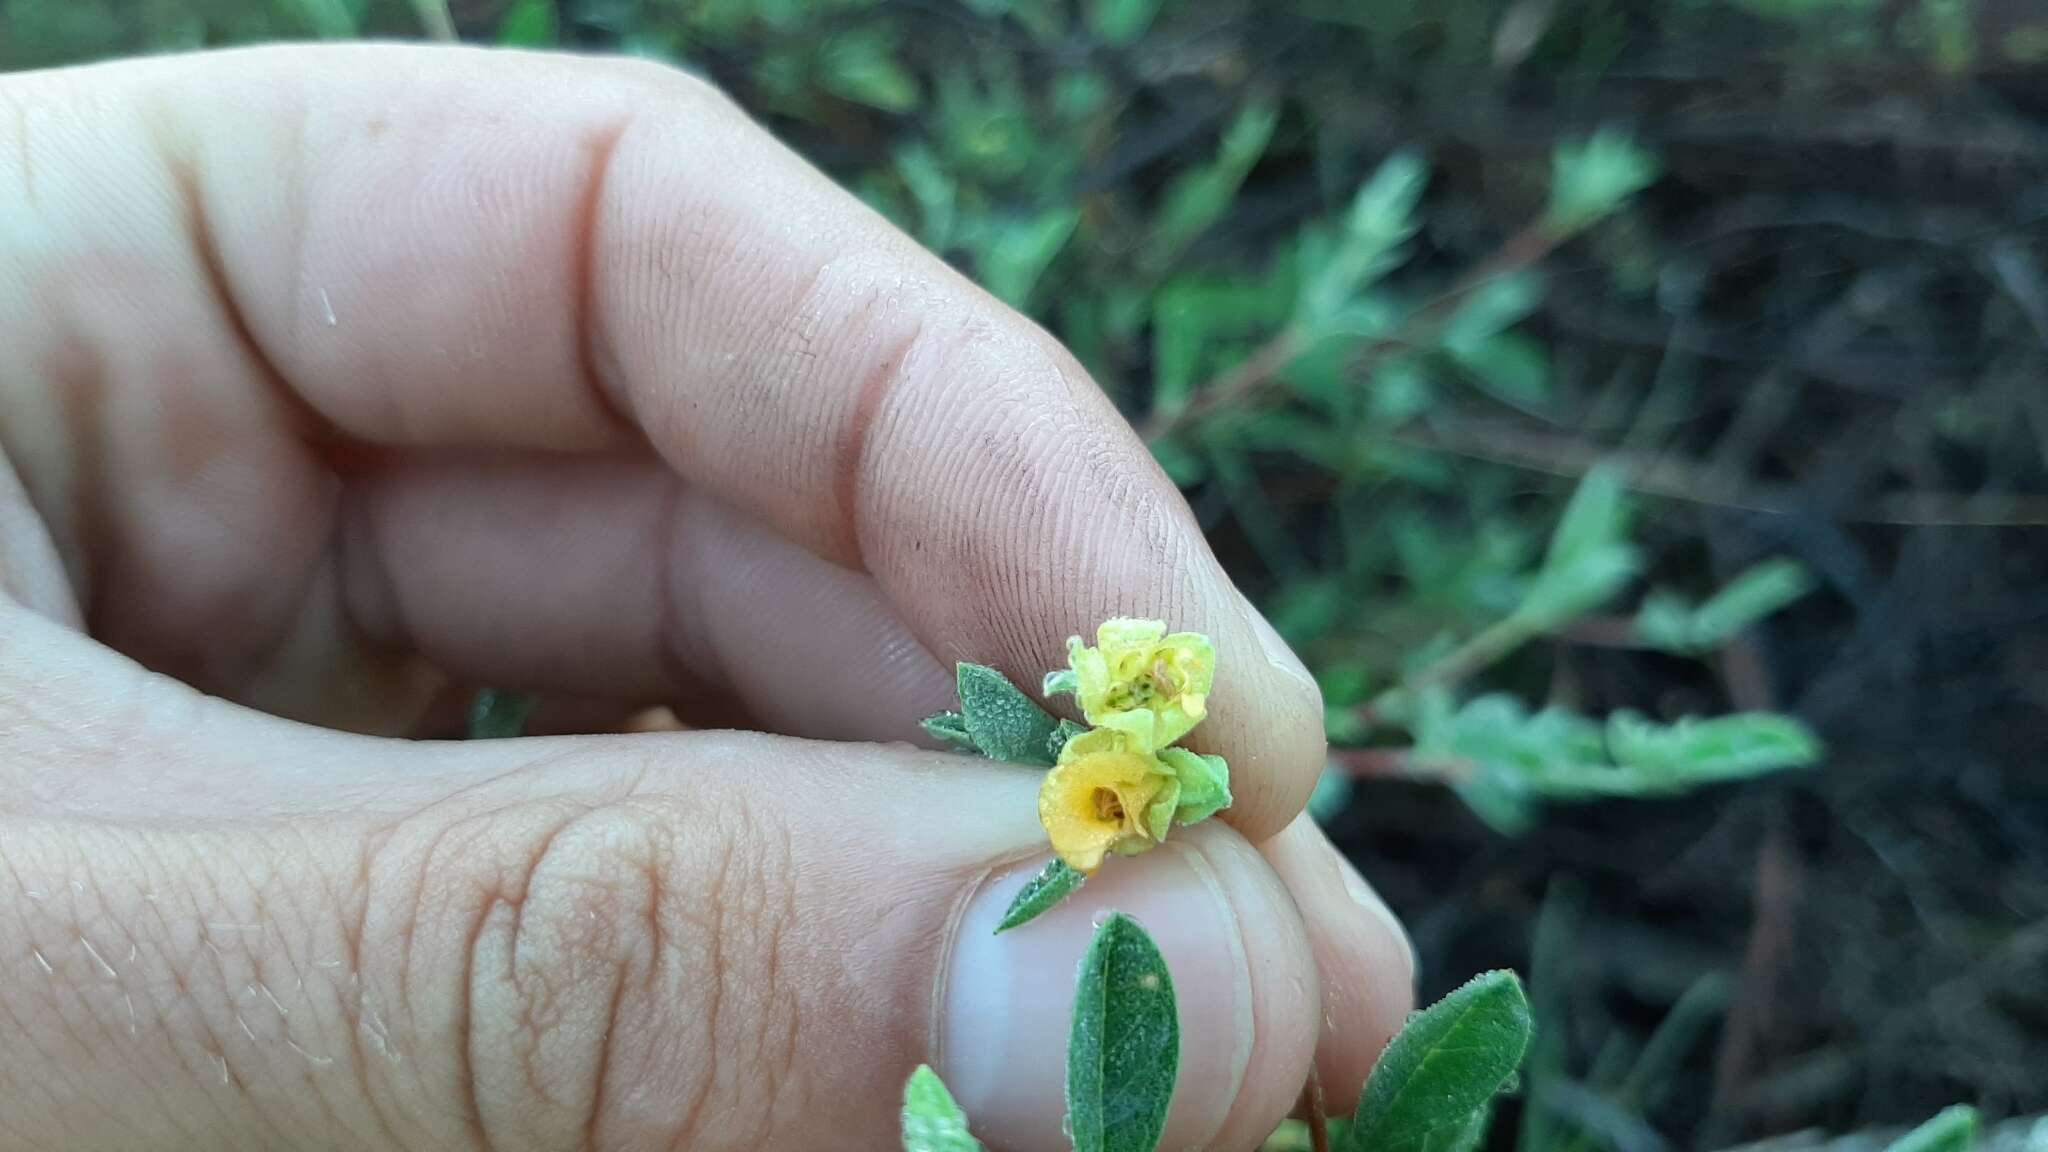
623,981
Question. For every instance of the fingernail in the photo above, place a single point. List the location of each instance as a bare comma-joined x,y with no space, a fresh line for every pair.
1278,654
1008,999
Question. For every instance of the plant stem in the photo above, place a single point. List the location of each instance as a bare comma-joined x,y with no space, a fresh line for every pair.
1240,384
1247,381
1315,1113
1398,764
1481,651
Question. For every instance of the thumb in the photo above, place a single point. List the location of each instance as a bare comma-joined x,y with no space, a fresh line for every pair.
229,931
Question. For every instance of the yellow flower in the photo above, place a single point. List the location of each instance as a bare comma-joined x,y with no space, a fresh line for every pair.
1105,795
1141,681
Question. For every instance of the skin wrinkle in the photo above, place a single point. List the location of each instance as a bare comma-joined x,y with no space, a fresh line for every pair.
377,842
517,902
604,1058
869,400
784,924
672,645
78,375
691,1126
472,1115
303,424
596,364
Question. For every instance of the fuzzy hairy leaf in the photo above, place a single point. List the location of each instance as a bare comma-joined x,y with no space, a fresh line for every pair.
1040,894
1953,1129
1380,221
1057,742
1002,721
932,1122
949,728
1750,597
1590,557
1667,757
1447,1064
1592,178
1123,1051
1666,621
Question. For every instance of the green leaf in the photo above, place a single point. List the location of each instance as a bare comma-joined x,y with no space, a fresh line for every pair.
1381,219
1121,22
1755,594
1123,1051
332,19
1509,367
1060,683
1199,198
496,715
1054,883
1492,308
949,728
1592,178
1180,330
1460,1137
1667,622
1595,518
1590,557
1204,784
932,1122
1398,391
1953,1129
1015,252
1002,721
861,66
1182,464
1447,1064
1057,742
1693,751
530,24
934,189
1497,754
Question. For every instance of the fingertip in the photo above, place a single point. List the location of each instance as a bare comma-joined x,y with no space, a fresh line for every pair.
1242,973
1362,955
1266,719
1284,992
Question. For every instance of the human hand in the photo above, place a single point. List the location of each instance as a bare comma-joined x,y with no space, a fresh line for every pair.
337,380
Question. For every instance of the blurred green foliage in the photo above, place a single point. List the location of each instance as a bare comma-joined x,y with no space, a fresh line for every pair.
1109,166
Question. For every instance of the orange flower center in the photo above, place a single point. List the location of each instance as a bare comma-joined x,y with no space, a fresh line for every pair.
1162,678
1108,805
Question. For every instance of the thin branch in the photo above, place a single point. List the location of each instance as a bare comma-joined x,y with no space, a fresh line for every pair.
1601,632
1315,1113
1674,478
1246,383
1235,388
1398,764
1773,929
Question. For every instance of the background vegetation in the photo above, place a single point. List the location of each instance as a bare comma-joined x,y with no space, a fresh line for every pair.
1384,282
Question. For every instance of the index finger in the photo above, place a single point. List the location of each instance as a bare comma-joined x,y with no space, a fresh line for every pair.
437,248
